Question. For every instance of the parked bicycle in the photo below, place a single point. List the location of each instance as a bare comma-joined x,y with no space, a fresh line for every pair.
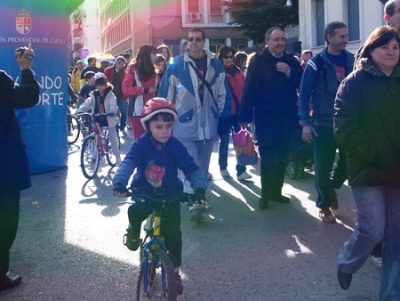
157,277
95,146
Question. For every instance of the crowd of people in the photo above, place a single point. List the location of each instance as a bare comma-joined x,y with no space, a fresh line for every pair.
178,107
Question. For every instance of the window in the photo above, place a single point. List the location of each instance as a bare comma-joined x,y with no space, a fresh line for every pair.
193,6
215,11
214,44
239,44
215,8
353,20
174,46
320,21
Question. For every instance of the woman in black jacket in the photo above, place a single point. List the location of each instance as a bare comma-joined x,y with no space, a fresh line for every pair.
14,167
367,125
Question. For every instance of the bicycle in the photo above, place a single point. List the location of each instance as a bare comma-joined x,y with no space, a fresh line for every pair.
73,128
157,277
96,145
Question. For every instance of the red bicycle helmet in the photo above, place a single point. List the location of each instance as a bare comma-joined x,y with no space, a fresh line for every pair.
154,106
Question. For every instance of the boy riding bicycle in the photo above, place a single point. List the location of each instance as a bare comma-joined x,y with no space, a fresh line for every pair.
157,156
102,100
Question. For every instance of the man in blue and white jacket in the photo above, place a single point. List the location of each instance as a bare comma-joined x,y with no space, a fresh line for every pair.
198,108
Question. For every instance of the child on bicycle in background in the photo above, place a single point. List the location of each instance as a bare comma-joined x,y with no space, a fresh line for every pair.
87,88
157,156
103,100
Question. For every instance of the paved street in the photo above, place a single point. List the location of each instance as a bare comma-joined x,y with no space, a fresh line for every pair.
69,244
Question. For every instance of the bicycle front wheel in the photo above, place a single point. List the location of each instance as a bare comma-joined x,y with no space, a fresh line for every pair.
158,281
74,128
90,157
110,156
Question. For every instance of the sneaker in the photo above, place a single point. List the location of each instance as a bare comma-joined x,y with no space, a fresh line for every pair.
326,215
132,239
344,279
334,200
244,176
225,173
124,133
210,177
377,261
178,283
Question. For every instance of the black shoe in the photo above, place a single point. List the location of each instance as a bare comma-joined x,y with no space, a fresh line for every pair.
9,281
178,283
132,239
344,279
281,199
263,204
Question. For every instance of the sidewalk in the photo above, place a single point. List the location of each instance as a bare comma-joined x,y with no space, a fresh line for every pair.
69,243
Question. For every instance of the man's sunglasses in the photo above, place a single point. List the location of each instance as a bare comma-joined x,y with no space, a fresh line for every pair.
197,39
228,57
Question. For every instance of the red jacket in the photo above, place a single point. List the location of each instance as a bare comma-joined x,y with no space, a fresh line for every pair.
237,84
110,73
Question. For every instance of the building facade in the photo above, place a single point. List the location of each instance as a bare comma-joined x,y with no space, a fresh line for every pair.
360,16
122,26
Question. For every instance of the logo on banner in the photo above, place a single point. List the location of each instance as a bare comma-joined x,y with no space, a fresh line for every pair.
23,22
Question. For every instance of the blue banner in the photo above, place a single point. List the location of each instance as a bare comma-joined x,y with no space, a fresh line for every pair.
43,126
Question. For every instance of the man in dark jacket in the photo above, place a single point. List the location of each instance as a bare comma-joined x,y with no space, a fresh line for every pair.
321,78
115,75
14,167
270,94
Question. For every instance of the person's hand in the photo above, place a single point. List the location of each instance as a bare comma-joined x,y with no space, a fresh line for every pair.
309,133
150,90
24,60
282,67
120,191
199,196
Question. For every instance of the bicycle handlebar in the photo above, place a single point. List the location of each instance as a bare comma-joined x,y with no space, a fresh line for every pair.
149,196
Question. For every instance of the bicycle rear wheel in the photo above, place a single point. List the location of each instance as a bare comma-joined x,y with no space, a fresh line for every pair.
90,157
159,264
74,128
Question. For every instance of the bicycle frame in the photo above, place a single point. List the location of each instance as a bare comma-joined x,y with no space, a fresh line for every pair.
155,241
100,135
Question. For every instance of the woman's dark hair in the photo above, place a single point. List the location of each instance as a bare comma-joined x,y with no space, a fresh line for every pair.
224,50
143,62
379,37
166,117
240,57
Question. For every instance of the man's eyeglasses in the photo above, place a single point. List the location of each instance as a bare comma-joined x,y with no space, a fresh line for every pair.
197,39
228,57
